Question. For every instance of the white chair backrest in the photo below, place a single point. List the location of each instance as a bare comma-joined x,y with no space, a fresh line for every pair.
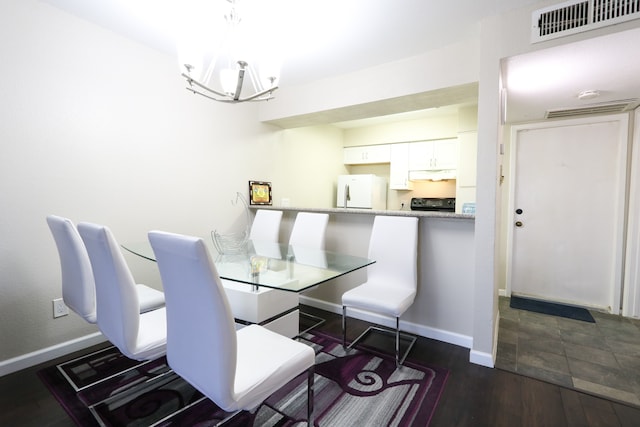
118,308
197,306
394,247
309,256
309,230
78,287
266,225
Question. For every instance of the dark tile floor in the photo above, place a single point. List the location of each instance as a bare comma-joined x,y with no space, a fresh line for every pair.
601,358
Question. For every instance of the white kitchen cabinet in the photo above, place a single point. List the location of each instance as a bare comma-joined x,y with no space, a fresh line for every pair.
433,155
399,168
368,154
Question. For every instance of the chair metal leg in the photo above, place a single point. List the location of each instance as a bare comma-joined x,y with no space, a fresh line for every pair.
397,334
229,418
78,388
344,327
398,342
399,361
318,321
310,380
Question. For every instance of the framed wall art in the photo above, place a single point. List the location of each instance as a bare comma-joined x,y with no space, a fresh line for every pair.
260,193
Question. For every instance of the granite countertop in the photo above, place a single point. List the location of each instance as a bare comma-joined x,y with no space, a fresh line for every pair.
420,214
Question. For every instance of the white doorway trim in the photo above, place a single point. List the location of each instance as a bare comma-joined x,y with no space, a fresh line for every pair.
631,294
615,292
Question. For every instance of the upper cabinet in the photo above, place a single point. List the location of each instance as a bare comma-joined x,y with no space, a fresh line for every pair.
399,168
433,155
369,154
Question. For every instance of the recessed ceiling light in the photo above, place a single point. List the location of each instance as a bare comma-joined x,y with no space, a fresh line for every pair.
588,94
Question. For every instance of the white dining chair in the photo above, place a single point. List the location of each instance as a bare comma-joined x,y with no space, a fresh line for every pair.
139,336
239,369
309,230
78,285
392,280
308,233
266,226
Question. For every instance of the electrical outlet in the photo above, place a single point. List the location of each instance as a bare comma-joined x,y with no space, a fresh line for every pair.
59,308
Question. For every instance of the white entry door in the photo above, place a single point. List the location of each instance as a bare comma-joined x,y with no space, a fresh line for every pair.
567,211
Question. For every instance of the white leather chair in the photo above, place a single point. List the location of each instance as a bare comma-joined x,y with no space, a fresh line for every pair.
266,226
237,370
392,280
308,233
264,306
78,286
309,230
137,336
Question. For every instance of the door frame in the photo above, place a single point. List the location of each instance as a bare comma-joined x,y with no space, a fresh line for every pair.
615,297
631,294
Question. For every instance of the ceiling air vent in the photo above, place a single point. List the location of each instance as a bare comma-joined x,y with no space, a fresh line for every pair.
599,108
580,15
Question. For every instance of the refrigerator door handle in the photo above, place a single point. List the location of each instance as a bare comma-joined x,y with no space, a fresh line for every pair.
347,197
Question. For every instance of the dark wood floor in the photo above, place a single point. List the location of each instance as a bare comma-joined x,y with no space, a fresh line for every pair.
473,395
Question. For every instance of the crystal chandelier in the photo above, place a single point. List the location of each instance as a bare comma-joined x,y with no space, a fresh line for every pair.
230,70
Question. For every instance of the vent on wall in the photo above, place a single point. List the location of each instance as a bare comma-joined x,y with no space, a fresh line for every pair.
580,15
599,108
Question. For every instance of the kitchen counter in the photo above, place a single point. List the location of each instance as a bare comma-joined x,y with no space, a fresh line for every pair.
420,214
443,308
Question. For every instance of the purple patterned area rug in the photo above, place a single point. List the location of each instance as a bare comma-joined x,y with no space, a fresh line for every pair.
360,387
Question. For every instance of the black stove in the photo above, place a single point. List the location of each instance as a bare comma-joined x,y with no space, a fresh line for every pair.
442,204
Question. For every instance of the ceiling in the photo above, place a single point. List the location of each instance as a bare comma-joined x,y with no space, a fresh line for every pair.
552,78
333,37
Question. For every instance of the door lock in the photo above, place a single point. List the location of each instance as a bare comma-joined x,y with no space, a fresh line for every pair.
519,224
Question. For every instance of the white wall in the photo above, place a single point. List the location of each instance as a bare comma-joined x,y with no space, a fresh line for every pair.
438,127
449,66
307,163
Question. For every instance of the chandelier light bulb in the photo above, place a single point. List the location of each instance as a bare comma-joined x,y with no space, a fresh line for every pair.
229,80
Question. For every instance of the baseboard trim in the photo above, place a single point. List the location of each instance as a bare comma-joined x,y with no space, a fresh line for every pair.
481,358
414,328
44,355
496,330
484,358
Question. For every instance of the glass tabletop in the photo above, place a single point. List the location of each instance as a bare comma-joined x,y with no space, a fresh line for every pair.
274,265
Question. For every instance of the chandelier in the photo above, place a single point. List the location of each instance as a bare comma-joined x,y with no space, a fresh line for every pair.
225,76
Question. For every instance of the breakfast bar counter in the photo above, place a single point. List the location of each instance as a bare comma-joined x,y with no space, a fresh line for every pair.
425,214
443,308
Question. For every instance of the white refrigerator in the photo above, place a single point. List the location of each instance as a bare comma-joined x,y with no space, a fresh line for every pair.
364,191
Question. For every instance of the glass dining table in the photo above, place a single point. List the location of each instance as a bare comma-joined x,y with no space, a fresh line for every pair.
274,265
262,281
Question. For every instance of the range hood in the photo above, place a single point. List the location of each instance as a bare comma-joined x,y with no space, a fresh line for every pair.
432,175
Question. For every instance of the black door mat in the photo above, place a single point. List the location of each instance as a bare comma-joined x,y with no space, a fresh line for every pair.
554,309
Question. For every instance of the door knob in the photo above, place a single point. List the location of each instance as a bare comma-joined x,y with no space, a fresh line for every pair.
519,211
519,224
